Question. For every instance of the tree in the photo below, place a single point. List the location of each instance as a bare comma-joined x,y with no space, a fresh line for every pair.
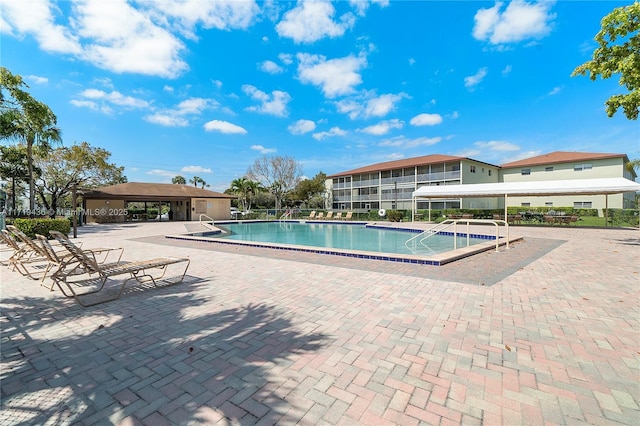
180,180
622,25
198,180
246,190
13,166
25,119
78,165
309,190
278,174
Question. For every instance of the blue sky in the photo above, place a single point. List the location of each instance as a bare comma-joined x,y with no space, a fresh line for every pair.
193,87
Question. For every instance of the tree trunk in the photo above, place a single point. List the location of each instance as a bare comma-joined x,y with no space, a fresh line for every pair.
32,187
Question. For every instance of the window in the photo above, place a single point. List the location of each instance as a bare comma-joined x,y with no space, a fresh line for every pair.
582,204
581,167
548,169
483,170
472,169
489,171
525,172
525,204
548,204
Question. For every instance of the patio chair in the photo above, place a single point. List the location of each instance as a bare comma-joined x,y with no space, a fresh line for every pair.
312,215
82,276
329,215
27,258
338,216
12,247
320,215
56,258
348,216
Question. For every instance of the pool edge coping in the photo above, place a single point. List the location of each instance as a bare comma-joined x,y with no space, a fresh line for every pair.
438,259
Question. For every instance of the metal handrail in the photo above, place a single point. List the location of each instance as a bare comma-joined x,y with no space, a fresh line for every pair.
449,222
204,215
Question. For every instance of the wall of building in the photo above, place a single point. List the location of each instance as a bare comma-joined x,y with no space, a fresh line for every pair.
215,208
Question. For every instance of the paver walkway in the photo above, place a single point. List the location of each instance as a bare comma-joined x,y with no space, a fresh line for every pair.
549,335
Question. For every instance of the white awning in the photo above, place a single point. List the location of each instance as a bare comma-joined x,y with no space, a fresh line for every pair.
538,188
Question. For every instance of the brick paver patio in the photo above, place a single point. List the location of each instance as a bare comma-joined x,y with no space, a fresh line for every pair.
545,333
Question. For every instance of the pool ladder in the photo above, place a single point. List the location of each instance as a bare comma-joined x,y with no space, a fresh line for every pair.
440,227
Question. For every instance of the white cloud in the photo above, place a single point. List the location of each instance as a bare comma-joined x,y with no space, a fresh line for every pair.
160,172
506,70
301,127
100,100
555,91
334,131
262,150
219,14
122,36
175,117
374,106
383,127
410,143
519,21
271,67
105,109
35,17
313,20
196,169
167,120
501,146
167,88
335,76
121,39
276,104
36,79
223,127
473,80
426,120
286,58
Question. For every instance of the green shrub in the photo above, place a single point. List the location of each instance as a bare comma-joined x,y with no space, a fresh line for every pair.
31,227
395,215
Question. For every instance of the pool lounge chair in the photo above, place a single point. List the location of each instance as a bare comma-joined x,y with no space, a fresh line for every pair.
329,216
338,216
27,258
348,216
312,215
57,258
80,275
320,215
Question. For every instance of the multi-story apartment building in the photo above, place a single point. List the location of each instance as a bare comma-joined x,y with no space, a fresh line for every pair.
562,165
390,185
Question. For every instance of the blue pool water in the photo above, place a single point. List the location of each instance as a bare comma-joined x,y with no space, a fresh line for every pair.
341,236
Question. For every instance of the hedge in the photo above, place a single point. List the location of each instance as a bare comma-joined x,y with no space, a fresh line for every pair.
31,227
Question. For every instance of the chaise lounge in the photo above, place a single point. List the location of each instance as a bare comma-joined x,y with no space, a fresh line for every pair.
80,275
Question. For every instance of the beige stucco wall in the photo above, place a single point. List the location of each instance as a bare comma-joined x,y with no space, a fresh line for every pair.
605,168
481,175
216,209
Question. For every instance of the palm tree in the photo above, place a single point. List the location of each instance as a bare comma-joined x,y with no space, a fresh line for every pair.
25,119
245,189
180,180
195,181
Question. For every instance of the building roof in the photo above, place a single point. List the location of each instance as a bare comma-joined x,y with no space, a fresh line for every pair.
531,188
562,157
152,191
406,162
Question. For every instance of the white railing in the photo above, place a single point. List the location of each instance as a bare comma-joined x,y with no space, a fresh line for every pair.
440,227
204,223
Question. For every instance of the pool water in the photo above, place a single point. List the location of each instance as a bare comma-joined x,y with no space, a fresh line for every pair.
342,236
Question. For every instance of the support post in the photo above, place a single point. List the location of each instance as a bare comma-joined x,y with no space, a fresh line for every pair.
74,202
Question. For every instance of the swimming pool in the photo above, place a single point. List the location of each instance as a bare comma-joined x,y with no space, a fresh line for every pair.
345,239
